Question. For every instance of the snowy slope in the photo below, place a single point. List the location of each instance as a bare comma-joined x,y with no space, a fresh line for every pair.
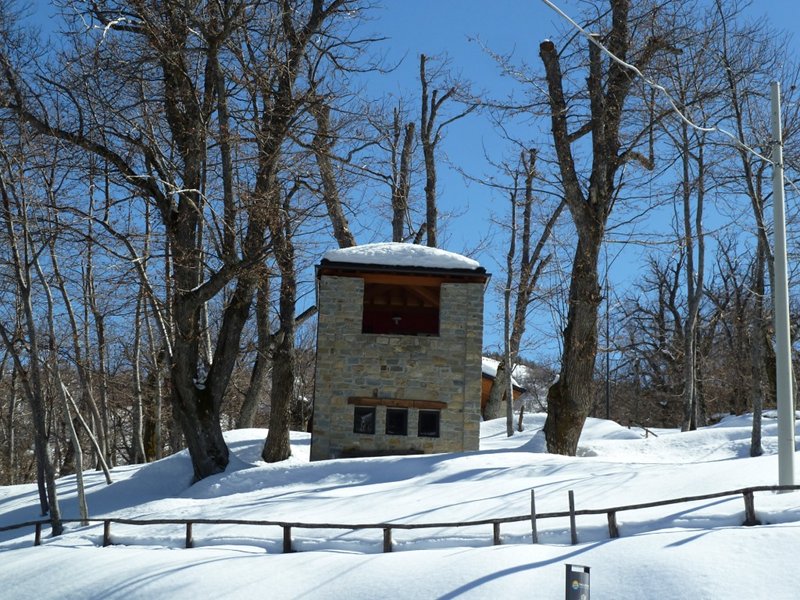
696,550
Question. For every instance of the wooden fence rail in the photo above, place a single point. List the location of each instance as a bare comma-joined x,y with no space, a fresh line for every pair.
748,495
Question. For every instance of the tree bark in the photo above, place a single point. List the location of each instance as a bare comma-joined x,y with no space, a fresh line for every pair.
758,342
258,377
569,399
430,136
429,139
139,454
694,276
322,146
401,176
497,394
11,446
277,446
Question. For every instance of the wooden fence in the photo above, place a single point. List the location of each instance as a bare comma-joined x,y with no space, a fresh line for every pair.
748,495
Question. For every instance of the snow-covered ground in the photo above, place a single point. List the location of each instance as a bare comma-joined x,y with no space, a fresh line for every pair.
698,550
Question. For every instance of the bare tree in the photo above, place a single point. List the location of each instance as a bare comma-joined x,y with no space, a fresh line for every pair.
522,279
608,89
322,146
401,174
696,86
752,57
24,349
430,135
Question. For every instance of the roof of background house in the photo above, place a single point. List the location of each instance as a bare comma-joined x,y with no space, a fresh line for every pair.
489,369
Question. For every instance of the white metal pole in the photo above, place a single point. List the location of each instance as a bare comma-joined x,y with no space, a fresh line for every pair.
783,351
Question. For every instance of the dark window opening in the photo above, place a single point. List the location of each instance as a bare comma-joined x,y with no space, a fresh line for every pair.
428,425
401,309
364,419
396,421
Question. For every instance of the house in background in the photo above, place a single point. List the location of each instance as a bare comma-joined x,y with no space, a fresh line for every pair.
488,375
399,339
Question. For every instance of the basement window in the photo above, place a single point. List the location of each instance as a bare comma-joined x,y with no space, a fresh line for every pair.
396,421
364,419
428,424
401,309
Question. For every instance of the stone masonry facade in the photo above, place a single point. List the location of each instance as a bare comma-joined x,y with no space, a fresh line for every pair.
402,368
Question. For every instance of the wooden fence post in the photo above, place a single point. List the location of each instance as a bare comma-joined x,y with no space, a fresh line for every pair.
387,539
534,532
572,526
750,509
613,530
287,539
189,540
37,537
106,533
496,533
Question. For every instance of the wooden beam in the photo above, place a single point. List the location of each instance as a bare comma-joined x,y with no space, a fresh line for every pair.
397,403
613,528
189,536
750,509
401,279
287,539
426,294
573,530
387,539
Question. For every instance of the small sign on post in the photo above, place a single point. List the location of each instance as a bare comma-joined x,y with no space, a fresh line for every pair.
577,582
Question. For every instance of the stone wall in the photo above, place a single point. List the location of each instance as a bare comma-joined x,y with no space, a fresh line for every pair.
444,368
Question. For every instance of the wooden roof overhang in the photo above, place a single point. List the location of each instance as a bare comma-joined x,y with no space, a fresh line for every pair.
402,275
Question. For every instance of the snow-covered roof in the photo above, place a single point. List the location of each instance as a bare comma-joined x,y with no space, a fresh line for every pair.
489,367
395,254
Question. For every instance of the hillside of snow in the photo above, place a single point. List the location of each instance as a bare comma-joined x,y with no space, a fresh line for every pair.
692,550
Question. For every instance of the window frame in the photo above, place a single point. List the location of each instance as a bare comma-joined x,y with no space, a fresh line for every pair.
365,410
411,309
429,413
399,412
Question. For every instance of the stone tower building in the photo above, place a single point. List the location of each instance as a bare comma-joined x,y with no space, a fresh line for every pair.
399,339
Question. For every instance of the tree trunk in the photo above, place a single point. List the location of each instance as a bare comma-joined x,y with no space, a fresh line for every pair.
103,426
154,426
258,377
497,393
73,435
508,353
694,276
277,446
607,88
429,140
322,146
11,430
758,341
430,136
569,400
139,454
401,176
